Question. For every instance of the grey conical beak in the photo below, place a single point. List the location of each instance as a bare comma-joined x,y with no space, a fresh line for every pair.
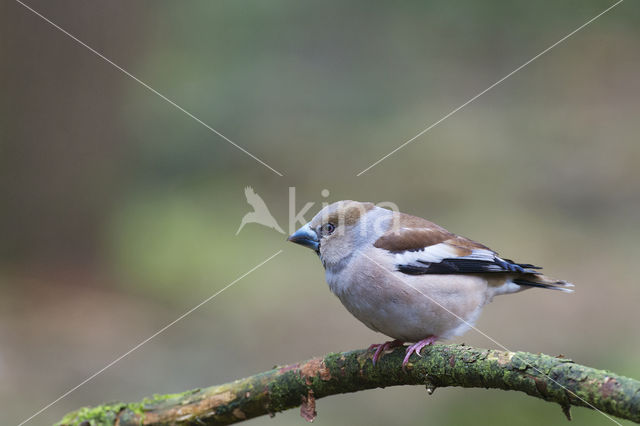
305,236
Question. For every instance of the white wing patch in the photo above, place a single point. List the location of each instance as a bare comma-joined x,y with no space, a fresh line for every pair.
438,252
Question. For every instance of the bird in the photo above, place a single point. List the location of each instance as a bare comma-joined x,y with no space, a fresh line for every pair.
408,278
260,213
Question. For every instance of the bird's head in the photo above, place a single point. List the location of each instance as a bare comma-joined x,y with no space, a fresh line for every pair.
341,228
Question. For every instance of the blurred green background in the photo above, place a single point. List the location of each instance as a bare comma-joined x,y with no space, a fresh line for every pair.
119,212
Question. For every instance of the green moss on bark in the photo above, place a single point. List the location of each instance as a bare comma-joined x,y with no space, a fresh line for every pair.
94,416
552,379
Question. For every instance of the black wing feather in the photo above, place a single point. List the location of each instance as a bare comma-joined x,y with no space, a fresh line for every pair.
466,266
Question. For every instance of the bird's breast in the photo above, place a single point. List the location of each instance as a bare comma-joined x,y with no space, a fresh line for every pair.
405,307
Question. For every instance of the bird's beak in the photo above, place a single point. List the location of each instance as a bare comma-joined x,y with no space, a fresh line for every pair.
305,236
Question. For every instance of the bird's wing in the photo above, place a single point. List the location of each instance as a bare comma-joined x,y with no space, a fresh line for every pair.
251,195
421,247
255,200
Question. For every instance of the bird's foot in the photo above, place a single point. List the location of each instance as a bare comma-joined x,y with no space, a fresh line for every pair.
417,347
381,347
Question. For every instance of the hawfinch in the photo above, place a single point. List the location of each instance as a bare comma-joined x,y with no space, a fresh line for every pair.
409,278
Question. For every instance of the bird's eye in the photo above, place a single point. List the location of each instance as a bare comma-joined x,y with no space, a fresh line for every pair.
328,228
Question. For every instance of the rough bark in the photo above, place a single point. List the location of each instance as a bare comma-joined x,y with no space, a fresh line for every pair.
553,379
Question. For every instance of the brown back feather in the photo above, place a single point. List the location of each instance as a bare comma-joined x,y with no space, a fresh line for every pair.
414,233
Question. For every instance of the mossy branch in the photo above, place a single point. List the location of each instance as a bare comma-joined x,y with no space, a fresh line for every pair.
553,379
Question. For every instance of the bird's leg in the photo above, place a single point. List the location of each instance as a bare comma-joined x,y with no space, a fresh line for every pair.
417,347
381,347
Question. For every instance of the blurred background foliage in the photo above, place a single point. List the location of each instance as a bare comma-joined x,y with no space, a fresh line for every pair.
119,212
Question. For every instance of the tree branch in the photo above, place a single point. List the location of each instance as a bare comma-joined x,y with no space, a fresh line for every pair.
552,379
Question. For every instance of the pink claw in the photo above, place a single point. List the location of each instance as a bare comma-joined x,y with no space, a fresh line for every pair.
417,347
381,347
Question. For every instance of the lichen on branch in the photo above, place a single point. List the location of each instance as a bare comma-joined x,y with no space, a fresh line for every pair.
553,379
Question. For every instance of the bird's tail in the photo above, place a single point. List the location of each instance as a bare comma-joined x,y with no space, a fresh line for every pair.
541,281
